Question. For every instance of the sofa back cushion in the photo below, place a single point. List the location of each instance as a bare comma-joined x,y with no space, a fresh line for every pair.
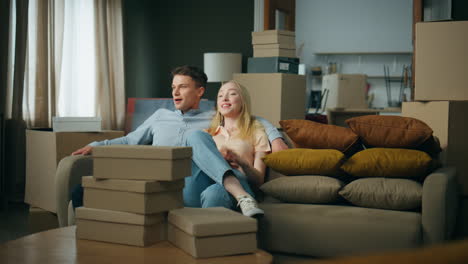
304,189
383,193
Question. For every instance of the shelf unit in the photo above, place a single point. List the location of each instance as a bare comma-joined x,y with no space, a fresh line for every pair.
363,53
368,76
363,62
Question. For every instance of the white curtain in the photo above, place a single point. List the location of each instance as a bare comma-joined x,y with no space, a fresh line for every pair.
78,71
74,63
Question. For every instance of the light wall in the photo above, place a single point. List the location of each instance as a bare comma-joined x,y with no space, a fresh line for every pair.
360,26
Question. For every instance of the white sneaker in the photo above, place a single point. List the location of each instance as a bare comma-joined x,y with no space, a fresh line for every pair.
249,206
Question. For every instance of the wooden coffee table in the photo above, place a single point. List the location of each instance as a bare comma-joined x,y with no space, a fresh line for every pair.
61,246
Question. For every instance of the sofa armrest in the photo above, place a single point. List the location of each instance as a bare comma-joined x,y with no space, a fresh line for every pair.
439,205
68,175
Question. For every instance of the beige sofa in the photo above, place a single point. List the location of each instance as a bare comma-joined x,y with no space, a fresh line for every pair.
324,230
337,230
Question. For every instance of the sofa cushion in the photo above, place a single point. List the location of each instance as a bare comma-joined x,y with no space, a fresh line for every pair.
305,161
394,194
387,162
304,189
333,230
390,131
310,134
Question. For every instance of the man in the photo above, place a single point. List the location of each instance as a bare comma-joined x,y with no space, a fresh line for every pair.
182,127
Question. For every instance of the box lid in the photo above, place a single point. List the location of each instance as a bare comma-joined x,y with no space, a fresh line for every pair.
119,217
211,221
76,119
142,152
274,32
288,46
139,186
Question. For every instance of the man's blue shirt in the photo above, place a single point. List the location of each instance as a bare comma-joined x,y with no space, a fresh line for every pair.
171,128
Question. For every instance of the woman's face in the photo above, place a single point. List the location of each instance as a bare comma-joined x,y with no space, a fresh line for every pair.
229,100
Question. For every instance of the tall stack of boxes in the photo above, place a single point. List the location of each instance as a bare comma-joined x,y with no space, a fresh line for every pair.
273,51
127,199
441,95
135,197
276,89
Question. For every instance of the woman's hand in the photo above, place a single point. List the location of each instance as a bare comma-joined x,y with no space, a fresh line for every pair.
232,158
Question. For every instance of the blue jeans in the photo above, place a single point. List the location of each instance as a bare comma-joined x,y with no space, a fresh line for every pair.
205,187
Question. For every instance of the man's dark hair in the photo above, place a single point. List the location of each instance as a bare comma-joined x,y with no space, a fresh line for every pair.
197,74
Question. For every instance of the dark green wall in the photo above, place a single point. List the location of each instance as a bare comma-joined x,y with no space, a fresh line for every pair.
459,10
161,35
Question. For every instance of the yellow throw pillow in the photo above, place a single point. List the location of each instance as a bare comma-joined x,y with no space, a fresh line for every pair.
305,161
388,162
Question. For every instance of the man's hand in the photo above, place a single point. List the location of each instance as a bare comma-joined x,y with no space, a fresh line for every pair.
278,145
87,150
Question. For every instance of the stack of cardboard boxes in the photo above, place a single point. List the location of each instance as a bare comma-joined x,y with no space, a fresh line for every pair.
441,95
133,187
133,190
273,51
276,90
274,43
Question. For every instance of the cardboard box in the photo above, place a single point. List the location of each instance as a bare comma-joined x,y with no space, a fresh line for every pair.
131,162
212,232
275,96
142,197
44,150
120,227
273,65
282,37
290,53
345,90
275,46
76,124
441,61
448,121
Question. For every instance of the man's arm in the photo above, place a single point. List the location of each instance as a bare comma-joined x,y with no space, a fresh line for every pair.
141,136
278,145
274,136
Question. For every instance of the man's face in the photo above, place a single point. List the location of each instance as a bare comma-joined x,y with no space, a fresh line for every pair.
185,93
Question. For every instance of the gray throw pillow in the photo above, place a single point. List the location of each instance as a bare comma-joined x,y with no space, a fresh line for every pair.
304,189
384,193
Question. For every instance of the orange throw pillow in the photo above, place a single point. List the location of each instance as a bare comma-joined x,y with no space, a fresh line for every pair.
310,134
390,131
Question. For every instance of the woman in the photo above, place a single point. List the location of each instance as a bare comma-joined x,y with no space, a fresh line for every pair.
242,141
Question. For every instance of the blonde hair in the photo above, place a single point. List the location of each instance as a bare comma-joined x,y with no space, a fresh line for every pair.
246,123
